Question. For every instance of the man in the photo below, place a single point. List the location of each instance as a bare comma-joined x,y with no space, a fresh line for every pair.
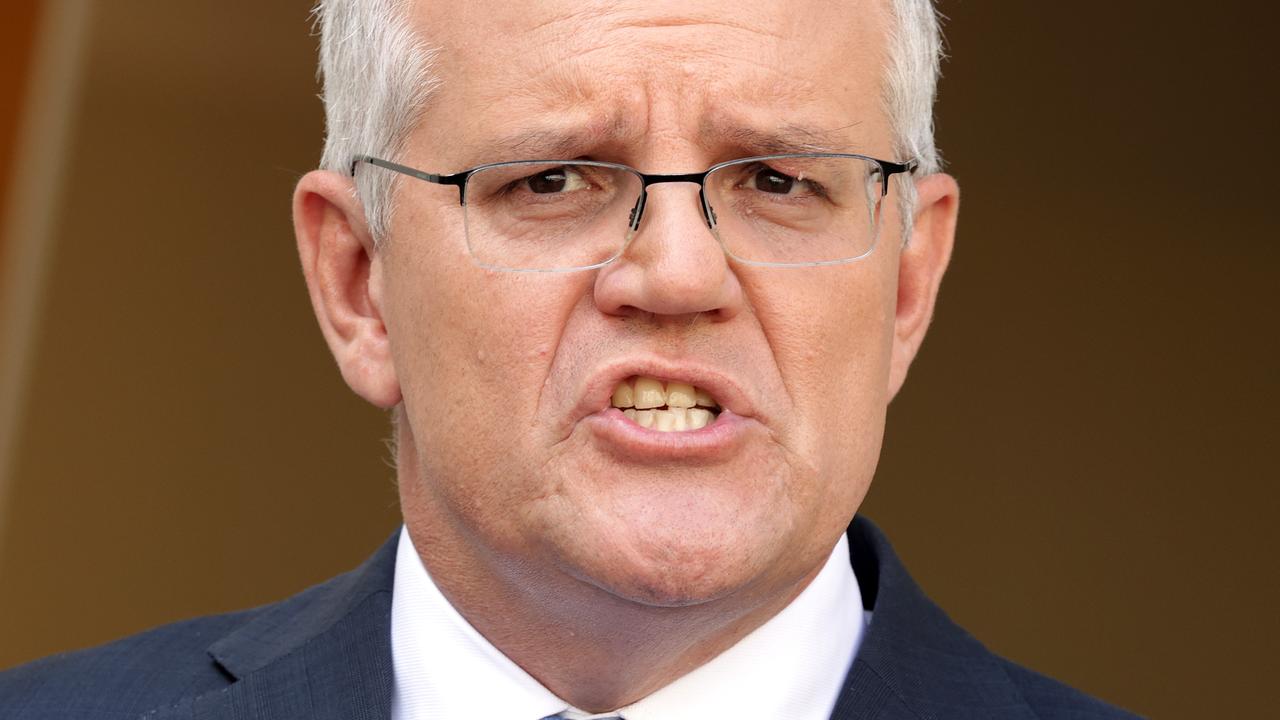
638,281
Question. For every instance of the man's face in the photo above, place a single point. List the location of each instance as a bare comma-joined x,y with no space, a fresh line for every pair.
506,377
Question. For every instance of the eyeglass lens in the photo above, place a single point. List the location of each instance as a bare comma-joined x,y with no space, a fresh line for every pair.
549,216
790,210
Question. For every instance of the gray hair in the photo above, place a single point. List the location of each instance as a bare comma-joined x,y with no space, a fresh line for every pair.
910,85
377,75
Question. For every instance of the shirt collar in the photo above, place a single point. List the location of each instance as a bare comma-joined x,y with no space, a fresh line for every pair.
445,668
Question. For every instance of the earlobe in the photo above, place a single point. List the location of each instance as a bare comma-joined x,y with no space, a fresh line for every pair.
343,273
922,263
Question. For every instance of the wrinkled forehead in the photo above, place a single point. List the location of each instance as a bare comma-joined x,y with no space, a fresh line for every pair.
534,78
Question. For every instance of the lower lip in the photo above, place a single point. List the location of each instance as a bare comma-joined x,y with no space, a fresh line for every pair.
621,436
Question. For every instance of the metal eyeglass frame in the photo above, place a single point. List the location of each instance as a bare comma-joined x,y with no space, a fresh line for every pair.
459,179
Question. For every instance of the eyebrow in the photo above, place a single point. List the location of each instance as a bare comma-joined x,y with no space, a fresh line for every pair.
789,138
556,143
549,143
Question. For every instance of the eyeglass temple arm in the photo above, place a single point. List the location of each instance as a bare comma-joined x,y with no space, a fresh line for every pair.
891,168
458,180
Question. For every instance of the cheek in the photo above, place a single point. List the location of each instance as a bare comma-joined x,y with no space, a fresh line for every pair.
472,350
831,337
465,340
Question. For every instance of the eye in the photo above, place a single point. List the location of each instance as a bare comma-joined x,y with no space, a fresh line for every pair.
555,180
768,180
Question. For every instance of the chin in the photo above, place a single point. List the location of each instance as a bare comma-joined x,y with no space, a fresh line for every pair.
678,561
672,586
672,592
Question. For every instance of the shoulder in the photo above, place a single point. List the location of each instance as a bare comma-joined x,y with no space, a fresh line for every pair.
915,654
188,660
1052,700
121,679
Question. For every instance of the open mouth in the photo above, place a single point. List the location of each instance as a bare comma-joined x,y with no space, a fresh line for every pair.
664,406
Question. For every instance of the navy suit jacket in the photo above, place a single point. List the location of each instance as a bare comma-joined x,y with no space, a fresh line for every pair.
326,655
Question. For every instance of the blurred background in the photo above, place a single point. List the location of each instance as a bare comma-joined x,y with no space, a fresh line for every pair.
1080,469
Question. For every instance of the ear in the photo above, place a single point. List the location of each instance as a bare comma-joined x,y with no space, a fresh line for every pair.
344,278
921,265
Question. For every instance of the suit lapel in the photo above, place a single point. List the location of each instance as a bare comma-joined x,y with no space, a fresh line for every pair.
322,655
349,669
279,690
866,696
914,662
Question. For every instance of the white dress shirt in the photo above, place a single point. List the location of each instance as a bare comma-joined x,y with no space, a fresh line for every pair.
792,666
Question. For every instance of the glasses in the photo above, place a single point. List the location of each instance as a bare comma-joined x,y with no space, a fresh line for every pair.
792,210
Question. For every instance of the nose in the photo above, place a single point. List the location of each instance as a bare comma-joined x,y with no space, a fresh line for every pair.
673,265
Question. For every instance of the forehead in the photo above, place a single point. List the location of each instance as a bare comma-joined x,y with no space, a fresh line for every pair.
534,78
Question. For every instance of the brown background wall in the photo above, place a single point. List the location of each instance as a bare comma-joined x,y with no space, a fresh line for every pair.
16,35
1080,468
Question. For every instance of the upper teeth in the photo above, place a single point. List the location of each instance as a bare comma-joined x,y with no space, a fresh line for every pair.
666,407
